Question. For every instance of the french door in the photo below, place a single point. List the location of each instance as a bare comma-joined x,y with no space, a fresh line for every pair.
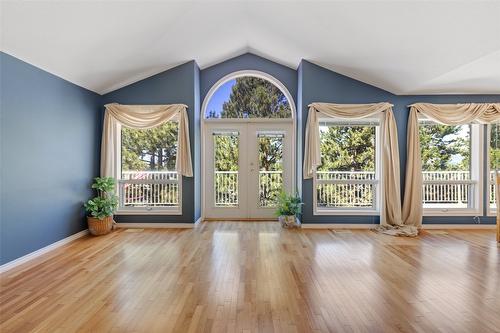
246,166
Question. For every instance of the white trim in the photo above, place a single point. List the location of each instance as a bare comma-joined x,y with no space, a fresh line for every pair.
458,226
144,211
452,212
372,226
155,225
30,256
338,226
489,210
205,122
354,211
198,221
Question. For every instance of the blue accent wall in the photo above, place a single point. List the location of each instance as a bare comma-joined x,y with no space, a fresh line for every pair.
49,136
322,85
176,85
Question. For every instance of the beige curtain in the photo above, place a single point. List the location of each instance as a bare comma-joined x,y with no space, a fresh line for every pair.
142,117
390,218
447,114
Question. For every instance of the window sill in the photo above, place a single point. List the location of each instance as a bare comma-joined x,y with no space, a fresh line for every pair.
370,212
176,211
452,212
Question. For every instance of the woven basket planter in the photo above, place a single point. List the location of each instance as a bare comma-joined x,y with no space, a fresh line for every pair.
100,227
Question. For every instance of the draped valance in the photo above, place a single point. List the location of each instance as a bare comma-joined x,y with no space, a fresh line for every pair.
391,196
143,117
446,114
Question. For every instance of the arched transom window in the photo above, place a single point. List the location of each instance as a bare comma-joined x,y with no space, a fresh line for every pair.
248,97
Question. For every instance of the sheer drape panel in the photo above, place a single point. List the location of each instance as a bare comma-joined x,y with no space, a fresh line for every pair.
446,114
391,195
142,117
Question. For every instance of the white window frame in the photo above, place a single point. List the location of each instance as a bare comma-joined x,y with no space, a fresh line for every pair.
378,175
489,210
476,204
173,210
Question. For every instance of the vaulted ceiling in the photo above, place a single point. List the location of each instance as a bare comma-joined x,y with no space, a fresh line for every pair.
410,47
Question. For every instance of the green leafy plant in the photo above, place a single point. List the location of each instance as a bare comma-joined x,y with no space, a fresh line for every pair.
288,204
106,202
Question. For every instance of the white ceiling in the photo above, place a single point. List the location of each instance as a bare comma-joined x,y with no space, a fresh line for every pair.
413,47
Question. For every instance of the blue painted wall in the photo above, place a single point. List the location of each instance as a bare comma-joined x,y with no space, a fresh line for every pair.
49,136
177,85
321,85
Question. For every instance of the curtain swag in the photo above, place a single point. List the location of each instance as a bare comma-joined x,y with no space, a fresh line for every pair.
446,114
390,218
142,117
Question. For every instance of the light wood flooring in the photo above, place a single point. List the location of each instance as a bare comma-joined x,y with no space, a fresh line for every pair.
256,277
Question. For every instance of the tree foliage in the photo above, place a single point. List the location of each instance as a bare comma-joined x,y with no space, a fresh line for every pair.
150,149
253,97
347,148
445,148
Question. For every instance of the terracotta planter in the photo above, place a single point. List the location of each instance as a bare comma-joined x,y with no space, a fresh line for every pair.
289,221
100,227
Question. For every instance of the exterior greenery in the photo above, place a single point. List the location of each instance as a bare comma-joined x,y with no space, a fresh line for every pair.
106,202
347,148
253,97
153,149
445,148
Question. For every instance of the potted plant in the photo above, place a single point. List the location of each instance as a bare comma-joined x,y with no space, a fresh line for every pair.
100,209
289,206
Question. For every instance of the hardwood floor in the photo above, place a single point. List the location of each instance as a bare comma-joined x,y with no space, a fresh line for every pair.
256,277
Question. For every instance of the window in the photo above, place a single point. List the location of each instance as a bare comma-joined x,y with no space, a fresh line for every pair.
347,181
248,97
451,167
148,180
494,163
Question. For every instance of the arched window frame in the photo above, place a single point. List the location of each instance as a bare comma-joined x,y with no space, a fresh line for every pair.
252,73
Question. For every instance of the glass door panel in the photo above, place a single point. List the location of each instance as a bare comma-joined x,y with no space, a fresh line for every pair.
224,188
226,168
270,152
270,168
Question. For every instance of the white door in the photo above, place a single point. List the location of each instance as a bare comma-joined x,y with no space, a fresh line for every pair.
246,166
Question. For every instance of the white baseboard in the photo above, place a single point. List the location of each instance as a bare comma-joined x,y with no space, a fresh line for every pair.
16,262
198,221
338,226
372,226
458,226
156,225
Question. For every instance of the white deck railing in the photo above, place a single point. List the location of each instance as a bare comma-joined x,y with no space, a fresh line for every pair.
334,188
149,188
226,188
346,189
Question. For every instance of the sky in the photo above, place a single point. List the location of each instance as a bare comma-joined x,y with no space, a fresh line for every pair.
219,97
